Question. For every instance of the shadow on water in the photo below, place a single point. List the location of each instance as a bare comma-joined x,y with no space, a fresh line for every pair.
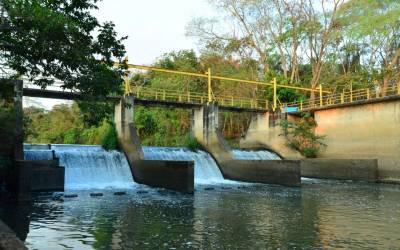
320,215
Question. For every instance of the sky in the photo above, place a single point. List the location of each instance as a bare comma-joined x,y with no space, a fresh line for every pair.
153,27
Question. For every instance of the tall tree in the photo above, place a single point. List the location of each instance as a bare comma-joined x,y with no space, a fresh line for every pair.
378,24
47,39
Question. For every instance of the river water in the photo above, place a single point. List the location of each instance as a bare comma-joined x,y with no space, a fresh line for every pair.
220,215
319,215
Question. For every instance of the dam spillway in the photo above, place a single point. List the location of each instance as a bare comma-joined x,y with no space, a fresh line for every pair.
92,167
86,166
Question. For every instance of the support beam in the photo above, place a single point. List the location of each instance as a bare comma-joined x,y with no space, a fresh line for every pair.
205,129
175,175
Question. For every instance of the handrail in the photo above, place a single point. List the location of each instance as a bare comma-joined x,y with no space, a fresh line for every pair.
205,75
347,97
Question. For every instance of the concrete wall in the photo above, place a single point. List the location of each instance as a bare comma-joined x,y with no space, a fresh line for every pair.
33,176
175,175
341,169
46,175
367,131
265,133
206,131
282,172
8,239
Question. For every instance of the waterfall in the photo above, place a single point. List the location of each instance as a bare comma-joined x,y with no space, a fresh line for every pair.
206,170
90,166
86,166
36,152
254,155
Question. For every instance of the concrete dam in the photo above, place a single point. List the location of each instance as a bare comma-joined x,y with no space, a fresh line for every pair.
92,167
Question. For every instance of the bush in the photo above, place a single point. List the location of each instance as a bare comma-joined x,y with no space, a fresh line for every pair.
110,139
192,143
301,136
70,137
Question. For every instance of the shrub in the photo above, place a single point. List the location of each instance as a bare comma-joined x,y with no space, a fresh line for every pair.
300,136
110,139
192,143
70,136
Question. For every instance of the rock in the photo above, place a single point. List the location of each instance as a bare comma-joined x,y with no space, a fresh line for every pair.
209,188
70,195
142,192
96,194
120,193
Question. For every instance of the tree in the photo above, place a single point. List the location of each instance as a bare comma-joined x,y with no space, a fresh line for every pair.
300,135
46,39
378,24
278,33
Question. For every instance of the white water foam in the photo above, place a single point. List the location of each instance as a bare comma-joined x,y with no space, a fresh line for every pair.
206,170
254,155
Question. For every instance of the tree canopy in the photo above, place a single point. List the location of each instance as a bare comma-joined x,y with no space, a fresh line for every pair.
46,40
334,42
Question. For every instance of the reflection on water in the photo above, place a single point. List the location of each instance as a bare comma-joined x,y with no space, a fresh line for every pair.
320,215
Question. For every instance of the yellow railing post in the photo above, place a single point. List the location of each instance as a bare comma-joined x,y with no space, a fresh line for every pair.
351,92
126,79
231,100
398,87
368,94
342,97
275,96
321,102
209,85
164,95
188,96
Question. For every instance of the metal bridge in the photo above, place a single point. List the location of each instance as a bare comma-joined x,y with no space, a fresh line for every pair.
151,96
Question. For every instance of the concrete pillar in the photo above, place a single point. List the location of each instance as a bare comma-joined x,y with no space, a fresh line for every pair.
124,124
205,128
265,132
19,135
175,175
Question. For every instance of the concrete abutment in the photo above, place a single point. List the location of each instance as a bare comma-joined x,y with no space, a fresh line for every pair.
362,141
175,175
206,130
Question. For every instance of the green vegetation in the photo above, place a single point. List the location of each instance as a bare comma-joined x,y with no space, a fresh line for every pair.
192,143
300,135
65,124
340,44
110,139
44,40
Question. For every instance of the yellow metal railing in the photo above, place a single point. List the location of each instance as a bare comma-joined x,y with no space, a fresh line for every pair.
325,98
199,97
345,97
